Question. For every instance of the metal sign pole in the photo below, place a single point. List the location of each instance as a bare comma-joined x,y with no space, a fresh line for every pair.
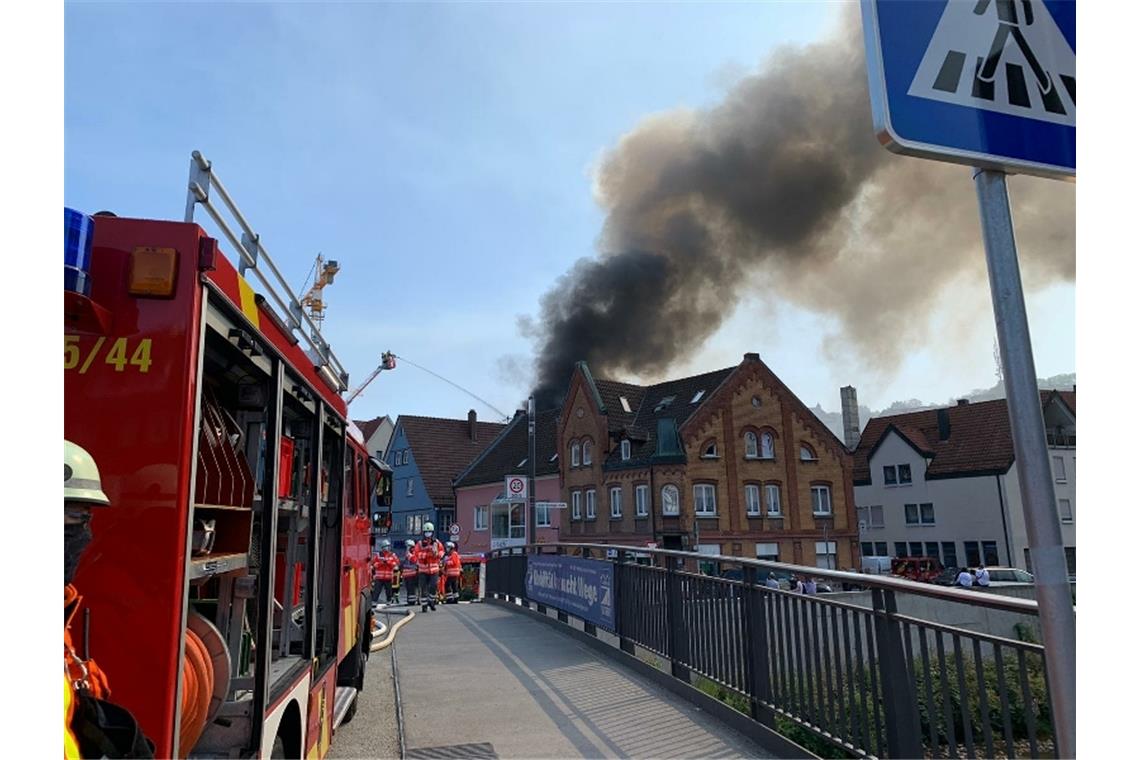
1054,601
531,512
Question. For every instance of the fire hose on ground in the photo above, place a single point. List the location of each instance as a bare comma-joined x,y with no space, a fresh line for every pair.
388,632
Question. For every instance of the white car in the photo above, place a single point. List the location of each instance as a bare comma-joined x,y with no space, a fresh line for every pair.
1009,576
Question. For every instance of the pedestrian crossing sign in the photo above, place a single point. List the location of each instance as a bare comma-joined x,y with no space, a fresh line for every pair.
990,83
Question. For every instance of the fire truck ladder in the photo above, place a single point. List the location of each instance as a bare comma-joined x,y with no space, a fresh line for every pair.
253,256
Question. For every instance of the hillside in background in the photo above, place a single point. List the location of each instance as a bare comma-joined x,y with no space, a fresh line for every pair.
834,420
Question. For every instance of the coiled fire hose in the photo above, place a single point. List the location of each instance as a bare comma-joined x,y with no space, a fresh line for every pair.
197,690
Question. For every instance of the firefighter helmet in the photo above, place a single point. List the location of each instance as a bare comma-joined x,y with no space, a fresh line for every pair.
409,543
385,544
429,530
81,477
450,544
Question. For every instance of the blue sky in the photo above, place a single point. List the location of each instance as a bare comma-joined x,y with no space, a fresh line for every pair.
442,154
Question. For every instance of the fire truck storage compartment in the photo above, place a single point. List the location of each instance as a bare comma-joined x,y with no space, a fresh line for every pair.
294,525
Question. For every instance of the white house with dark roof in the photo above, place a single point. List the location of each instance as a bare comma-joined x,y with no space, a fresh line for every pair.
941,483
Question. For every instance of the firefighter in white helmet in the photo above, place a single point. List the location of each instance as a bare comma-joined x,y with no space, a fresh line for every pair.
93,726
429,551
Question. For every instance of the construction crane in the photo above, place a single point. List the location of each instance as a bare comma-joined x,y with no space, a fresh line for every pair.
314,299
387,361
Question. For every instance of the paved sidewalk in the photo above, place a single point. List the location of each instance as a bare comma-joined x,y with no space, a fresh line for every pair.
503,685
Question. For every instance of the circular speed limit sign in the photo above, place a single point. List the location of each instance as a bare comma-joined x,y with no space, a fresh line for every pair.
516,486
454,530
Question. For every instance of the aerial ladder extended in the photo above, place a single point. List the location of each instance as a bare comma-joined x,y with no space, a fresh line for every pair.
387,361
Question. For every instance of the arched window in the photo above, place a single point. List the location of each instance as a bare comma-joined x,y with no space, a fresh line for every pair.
574,454
670,500
587,449
767,449
751,450
807,454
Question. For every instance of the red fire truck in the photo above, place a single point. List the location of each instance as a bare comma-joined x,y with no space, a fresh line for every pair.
227,587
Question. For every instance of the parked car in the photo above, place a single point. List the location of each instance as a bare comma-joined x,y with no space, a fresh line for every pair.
948,577
923,569
1009,576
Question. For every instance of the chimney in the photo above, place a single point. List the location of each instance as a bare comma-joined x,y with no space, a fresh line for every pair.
753,356
850,417
943,424
963,401
471,423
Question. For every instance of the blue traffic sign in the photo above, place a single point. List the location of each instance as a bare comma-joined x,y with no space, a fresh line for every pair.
989,83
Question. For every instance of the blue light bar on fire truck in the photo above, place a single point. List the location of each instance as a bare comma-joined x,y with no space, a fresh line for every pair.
78,230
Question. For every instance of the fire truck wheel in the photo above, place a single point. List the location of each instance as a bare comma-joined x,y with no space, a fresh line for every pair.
278,748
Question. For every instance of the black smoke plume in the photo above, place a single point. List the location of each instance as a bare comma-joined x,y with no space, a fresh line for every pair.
781,190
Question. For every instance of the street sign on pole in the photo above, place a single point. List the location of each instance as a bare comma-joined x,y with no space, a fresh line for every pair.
992,83
988,83
516,488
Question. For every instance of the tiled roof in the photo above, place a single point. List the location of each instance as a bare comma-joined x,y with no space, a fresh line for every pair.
643,424
612,392
368,427
979,442
503,456
443,448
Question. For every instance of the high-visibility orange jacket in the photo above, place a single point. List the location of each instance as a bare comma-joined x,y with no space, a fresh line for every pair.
384,566
452,565
77,673
428,556
408,567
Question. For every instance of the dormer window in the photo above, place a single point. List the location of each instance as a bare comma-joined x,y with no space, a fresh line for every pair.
751,449
709,450
554,458
520,464
625,404
697,396
625,450
663,403
574,454
587,452
806,453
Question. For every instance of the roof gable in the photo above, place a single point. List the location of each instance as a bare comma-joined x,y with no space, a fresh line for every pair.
442,448
512,446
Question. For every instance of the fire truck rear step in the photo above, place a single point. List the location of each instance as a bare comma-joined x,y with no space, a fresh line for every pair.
345,696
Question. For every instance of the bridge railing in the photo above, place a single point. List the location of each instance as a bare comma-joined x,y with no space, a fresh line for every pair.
850,670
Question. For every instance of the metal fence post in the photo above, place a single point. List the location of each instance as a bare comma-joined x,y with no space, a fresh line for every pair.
678,639
756,622
899,702
562,616
621,620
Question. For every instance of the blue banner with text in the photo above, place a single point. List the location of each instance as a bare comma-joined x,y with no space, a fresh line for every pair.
581,587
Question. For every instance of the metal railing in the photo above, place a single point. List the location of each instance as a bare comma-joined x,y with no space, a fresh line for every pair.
864,678
251,255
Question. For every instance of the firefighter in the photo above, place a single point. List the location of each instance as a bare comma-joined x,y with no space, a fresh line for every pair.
93,726
409,570
384,567
452,568
429,552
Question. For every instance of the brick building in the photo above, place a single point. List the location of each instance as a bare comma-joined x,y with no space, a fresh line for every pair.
727,462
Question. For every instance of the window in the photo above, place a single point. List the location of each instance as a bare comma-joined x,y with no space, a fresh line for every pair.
624,404
973,554
767,450
411,486
919,514
990,552
871,517
615,502
1066,507
591,504
554,457
1071,560
874,549
904,474
411,526
1028,563
890,475
752,500
574,451
821,500
407,455
587,452
881,549
900,549
697,396
663,403
770,552
806,453
480,518
670,500
704,499
625,450
932,549
916,549
710,450
576,505
750,448
707,567
949,554
542,515
772,496
641,497
520,464
825,554
1059,469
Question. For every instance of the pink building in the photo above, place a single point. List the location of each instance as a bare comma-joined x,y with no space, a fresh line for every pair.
487,518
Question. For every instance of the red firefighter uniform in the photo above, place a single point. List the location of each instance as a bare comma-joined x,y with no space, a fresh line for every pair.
409,572
428,555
